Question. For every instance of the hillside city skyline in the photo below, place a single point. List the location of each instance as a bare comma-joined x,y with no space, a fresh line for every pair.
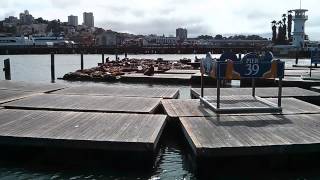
156,17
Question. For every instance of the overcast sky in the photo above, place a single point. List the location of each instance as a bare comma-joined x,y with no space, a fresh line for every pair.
164,16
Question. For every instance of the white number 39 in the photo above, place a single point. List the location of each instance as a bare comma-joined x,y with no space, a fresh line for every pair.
252,69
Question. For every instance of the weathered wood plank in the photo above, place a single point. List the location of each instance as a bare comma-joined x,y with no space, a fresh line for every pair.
87,103
315,88
269,92
181,71
121,91
298,81
9,95
81,130
30,87
252,135
193,108
159,78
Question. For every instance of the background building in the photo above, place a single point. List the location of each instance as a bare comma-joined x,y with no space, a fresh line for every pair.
88,19
26,18
73,20
181,34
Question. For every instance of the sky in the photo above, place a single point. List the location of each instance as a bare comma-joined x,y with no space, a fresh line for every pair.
211,17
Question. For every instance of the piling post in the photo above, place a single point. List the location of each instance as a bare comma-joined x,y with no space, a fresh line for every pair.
239,56
102,58
81,59
297,58
116,55
125,54
53,78
7,69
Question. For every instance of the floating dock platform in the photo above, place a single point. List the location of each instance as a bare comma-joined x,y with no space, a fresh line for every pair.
227,136
269,92
118,91
30,87
98,131
316,88
106,104
157,78
11,95
295,130
176,108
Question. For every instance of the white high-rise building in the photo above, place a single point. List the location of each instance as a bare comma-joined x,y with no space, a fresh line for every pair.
73,20
299,19
88,19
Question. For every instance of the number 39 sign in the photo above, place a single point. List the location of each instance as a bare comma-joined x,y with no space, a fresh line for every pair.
251,66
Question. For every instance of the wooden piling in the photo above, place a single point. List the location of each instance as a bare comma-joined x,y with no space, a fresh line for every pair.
102,58
7,69
53,78
81,61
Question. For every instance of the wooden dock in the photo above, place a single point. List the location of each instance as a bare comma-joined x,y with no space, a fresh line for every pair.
157,78
30,87
176,108
227,136
270,92
10,95
315,88
181,71
119,91
299,82
118,132
107,104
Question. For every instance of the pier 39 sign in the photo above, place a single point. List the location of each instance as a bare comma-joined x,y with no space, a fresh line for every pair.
250,66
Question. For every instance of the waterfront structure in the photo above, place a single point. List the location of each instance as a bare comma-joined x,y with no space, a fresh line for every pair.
161,40
73,20
88,19
181,34
299,35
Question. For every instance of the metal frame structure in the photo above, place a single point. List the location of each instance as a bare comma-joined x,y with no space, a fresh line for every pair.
273,108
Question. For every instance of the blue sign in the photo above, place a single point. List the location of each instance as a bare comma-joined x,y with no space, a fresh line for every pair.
315,57
251,66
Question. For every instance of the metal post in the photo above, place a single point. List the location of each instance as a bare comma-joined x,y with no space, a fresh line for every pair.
280,92
201,84
81,61
116,55
102,58
310,69
239,56
253,87
297,58
53,78
7,69
218,94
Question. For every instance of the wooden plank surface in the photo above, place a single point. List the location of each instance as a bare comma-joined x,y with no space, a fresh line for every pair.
316,88
181,71
192,107
269,92
122,91
296,73
297,81
87,103
30,87
160,78
252,135
130,132
10,95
